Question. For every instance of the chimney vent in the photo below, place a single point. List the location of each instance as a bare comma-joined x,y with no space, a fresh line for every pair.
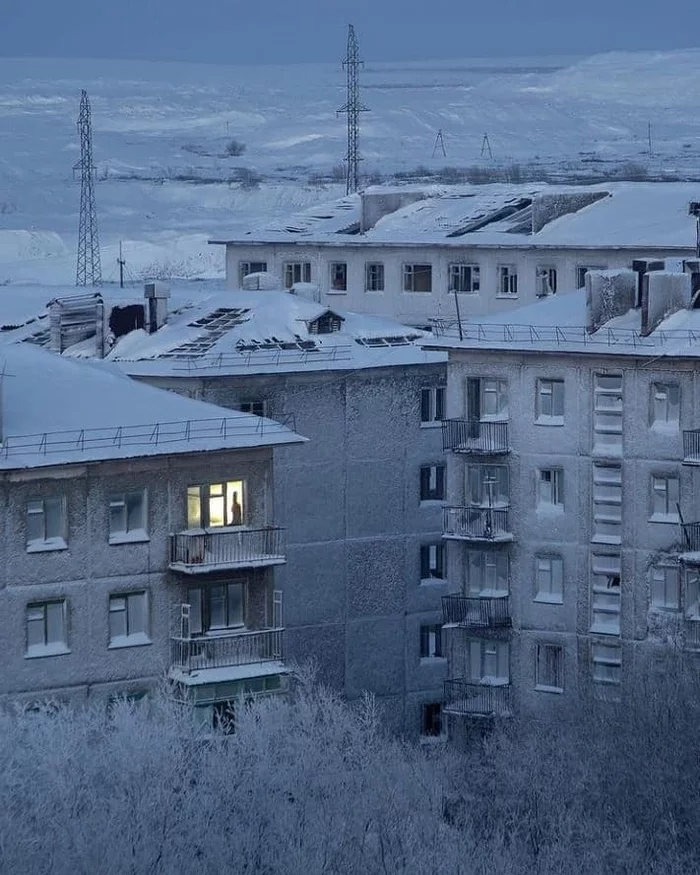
156,295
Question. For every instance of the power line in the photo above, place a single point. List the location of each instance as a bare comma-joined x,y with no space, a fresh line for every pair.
353,107
89,269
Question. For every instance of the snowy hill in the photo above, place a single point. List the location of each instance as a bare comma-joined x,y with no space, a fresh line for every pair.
163,134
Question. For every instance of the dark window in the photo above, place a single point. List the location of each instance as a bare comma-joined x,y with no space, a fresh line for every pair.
430,641
257,408
339,276
432,561
374,277
418,278
431,719
432,404
432,483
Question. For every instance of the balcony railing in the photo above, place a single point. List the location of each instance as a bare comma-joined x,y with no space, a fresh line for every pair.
691,537
476,613
222,651
691,633
691,447
476,523
475,436
221,549
468,699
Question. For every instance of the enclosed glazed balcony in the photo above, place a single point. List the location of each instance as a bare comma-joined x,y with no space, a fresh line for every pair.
475,436
476,613
202,551
193,654
469,699
479,524
691,447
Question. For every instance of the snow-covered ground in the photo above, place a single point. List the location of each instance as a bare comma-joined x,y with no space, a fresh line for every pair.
161,132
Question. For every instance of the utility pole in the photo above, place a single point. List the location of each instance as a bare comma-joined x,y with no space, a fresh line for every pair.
89,269
651,152
121,263
439,144
353,107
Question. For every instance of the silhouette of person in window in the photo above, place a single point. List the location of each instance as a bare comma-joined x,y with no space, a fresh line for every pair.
236,511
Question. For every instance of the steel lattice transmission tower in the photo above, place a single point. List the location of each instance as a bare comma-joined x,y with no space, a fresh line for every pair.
89,270
353,108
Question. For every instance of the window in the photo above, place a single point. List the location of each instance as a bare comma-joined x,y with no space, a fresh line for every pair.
431,720
215,606
607,663
605,594
665,405
487,573
546,277
488,661
339,276
418,278
550,401
46,524
549,579
432,483
296,272
127,516
507,281
665,587
258,407
487,399
692,593
430,642
374,276
487,486
607,504
246,267
464,278
665,497
607,414
432,405
128,619
549,669
47,632
581,274
550,488
432,561
215,504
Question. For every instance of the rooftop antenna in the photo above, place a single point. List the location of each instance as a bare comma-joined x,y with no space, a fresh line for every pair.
486,147
89,269
353,107
439,144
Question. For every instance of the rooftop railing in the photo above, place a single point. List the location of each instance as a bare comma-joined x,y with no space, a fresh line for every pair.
204,551
475,436
226,650
469,699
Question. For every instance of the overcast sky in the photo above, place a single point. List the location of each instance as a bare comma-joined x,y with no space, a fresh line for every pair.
283,31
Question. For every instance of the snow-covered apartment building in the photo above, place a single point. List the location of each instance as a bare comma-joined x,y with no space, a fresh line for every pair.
572,445
359,504
120,504
417,253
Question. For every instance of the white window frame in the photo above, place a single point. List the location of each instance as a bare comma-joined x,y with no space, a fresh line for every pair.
546,279
245,268
606,663
487,573
549,579
431,644
484,473
464,278
507,281
201,612
664,411
50,530
335,270
433,560
432,406
665,498
665,592
414,271
550,488
607,504
606,593
374,276
549,668
485,654
290,269
132,609
550,402
493,399
204,494
40,616
120,501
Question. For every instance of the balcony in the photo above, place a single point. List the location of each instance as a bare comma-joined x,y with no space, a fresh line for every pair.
691,447
201,552
691,633
476,613
480,524
690,543
468,699
475,436
188,655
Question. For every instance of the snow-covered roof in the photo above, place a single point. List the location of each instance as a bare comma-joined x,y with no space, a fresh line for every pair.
622,215
239,332
557,323
56,410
